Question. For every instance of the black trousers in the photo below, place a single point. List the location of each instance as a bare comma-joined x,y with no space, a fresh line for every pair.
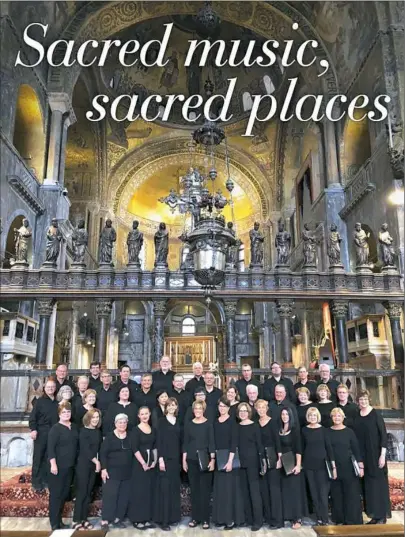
40,463
201,486
250,483
319,486
84,484
346,501
270,486
115,499
59,487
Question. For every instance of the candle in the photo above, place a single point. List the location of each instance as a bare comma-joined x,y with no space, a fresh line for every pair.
390,131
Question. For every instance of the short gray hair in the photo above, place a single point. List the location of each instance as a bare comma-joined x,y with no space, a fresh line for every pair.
120,417
252,387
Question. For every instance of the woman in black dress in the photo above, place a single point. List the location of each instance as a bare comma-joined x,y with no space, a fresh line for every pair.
88,403
292,486
345,490
317,452
116,465
43,416
122,406
168,442
270,483
143,442
228,507
371,433
252,463
199,437
88,465
350,409
159,412
62,451
325,405
232,395
303,404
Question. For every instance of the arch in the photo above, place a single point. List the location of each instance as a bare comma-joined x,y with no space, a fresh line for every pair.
17,451
188,326
29,136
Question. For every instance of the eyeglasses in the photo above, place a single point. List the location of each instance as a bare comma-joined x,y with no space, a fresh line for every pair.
243,410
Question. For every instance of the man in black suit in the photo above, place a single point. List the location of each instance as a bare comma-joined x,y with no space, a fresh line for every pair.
183,397
146,395
198,380
94,378
303,382
277,378
106,393
247,378
252,396
124,380
61,378
326,378
163,379
213,393
280,402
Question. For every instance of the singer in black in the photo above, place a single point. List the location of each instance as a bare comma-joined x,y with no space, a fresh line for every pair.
116,465
304,402
88,401
227,502
233,397
62,452
371,433
159,411
251,455
143,442
168,442
43,416
270,484
292,485
317,452
325,405
88,465
345,491
350,409
199,462
122,406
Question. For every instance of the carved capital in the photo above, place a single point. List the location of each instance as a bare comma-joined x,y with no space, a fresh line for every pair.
340,308
284,308
394,309
103,308
45,307
159,307
230,307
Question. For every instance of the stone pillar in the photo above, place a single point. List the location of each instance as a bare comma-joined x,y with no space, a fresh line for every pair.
332,170
66,124
230,312
103,312
45,309
284,309
380,386
159,312
394,310
339,310
60,105
74,333
8,92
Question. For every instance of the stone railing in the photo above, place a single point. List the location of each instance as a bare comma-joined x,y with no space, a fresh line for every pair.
21,170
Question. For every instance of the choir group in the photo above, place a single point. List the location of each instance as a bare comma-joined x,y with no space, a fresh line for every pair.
263,453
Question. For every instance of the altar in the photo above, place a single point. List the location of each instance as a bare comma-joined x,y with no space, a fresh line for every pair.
186,350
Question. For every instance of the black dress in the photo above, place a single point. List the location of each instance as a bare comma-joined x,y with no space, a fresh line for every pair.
325,410
227,506
116,408
292,486
345,490
167,499
233,412
372,436
157,414
143,482
302,413
316,450
89,447
351,411
250,453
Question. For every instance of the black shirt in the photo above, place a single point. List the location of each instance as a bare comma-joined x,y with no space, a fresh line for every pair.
168,439
351,411
270,436
114,409
66,382
210,413
344,444
104,398
62,444
325,410
291,441
212,397
77,404
163,381
276,408
95,383
184,400
89,445
310,385
44,414
157,414
144,443
132,385
198,436
250,445
194,383
226,434
116,457
302,413
270,385
79,413
241,384
316,448
145,399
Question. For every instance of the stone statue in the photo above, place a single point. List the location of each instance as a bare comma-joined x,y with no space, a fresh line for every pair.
161,245
53,240
283,244
22,241
361,245
256,245
308,246
106,243
80,238
232,251
134,243
334,241
386,247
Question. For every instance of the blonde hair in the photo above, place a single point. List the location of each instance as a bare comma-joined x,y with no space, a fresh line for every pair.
261,402
303,389
322,387
87,393
337,410
203,404
313,410
342,387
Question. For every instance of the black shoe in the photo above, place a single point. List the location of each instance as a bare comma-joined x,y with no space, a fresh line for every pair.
54,528
119,524
165,528
276,527
230,527
372,521
255,528
381,521
63,526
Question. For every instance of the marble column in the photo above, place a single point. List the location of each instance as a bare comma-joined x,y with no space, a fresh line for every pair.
59,104
332,170
45,309
394,310
230,312
159,312
339,310
103,312
74,333
284,309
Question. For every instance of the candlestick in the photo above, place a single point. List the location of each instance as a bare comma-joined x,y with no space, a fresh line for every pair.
391,141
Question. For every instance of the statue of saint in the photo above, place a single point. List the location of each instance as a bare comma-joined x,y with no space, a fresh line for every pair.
256,245
232,251
106,243
53,240
334,241
283,244
134,243
386,248
361,245
308,246
22,241
80,238
161,245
